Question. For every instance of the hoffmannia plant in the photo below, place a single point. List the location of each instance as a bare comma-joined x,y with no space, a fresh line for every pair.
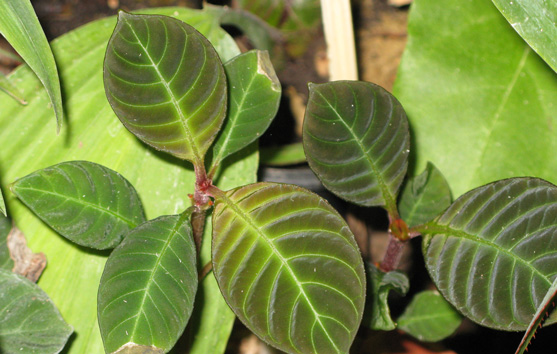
285,261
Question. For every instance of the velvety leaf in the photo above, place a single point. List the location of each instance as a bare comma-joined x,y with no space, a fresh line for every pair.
21,27
254,96
481,103
535,22
492,252
148,286
429,317
8,87
87,203
289,267
166,83
95,135
356,141
5,261
378,314
546,307
424,197
29,321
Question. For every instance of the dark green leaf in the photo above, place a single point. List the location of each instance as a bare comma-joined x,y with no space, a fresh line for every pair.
424,197
289,267
5,260
254,97
20,26
87,203
166,83
29,321
356,141
378,316
148,286
8,87
492,253
429,317
282,155
480,101
535,22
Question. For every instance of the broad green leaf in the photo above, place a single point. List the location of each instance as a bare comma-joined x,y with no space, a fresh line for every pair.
546,306
378,314
289,15
8,87
29,321
429,317
535,22
492,253
148,286
424,197
95,135
289,267
356,141
254,96
481,103
166,83
5,261
21,27
87,203
283,155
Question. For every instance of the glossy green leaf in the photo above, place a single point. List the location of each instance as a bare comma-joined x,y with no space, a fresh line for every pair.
283,155
429,317
535,21
378,314
148,286
95,135
546,307
254,96
5,261
8,87
424,197
166,83
481,103
356,141
29,321
87,203
492,253
21,27
289,267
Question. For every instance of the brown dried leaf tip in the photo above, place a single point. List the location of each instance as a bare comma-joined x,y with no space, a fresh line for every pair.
26,263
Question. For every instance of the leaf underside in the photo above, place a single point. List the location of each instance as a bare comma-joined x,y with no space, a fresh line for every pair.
166,83
356,141
148,286
289,267
85,202
493,253
29,321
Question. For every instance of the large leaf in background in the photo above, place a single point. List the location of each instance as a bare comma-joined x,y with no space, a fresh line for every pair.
492,253
166,83
85,202
253,98
429,317
481,103
282,256
5,261
21,27
535,22
29,321
424,197
8,87
148,286
356,141
95,134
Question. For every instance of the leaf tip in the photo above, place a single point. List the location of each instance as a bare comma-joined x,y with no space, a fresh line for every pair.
265,67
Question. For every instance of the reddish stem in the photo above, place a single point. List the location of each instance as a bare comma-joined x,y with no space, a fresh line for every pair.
392,254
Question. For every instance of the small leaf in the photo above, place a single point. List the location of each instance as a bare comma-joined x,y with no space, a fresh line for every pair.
424,197
429,317
378,316
282,155
356,141
492,252
148,286
166,83
289,267
20,26
546,306
87,203
254,97
5,261
29,321
535,22
26,263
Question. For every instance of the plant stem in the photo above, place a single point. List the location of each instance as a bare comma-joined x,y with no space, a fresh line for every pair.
198,225
202,202
392,254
